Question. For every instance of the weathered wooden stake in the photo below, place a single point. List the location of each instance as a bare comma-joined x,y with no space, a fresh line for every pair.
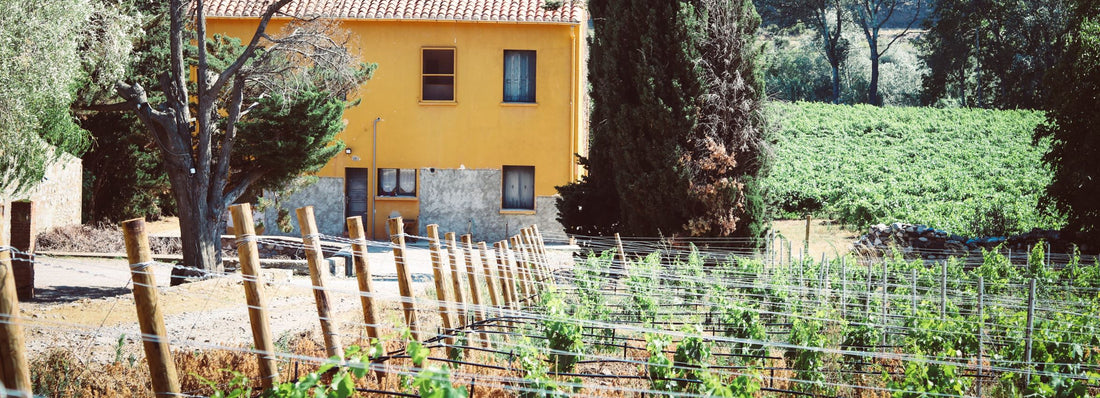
1030,327
404,280
507,278
806,243
541,243
981,331
943,292
622,253
521,275
438,274
456,277
249,256
524,268
843,287
471,278
315,258
913,287
490,278
154,336
14,372
885,318
363,275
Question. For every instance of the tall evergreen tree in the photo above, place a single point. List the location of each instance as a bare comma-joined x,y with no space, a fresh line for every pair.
676,129
1072,98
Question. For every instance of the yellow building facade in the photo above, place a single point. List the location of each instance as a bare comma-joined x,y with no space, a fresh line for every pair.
473,116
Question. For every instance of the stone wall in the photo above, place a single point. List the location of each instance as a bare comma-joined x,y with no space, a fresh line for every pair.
57,199
468,201
327,198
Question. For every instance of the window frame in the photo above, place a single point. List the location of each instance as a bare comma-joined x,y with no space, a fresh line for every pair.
533,77
378,193
503,185
453,75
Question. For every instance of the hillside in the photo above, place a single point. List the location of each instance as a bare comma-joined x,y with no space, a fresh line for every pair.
969,171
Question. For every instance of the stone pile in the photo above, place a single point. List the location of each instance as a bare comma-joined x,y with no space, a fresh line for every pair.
936,243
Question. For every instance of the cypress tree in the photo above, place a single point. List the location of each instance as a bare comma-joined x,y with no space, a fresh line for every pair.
676,132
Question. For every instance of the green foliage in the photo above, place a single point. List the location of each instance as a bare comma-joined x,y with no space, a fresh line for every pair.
677,142
741,324
123,173
1072,89
807,359
563,335
924,379
286,136
918,165
435,382
994,58
45,65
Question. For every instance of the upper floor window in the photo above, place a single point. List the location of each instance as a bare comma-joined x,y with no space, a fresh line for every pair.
518,187
519,76
397,182
438,74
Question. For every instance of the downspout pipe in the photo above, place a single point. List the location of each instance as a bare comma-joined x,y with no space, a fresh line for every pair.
374,173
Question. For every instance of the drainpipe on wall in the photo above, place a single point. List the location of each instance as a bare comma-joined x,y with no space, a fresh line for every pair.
373,174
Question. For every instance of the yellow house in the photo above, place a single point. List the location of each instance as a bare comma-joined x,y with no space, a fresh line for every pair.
471,119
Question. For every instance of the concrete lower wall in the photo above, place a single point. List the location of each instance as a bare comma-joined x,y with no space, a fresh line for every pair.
57,199
468,201
458,200
327,198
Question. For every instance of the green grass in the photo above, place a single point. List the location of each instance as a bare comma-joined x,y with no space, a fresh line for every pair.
969,171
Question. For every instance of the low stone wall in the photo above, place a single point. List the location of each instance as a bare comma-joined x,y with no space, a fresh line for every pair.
57,199
327,198
935,243
468,201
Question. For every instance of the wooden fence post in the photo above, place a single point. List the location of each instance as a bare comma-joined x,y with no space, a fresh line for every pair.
404,280
943,292
622,255
542,249
532,254
14,372
249,256
437,273
981,332
471,278
154,336
521,274
525,267
312,242
480,313
507,280
456,277
1030,328
490,279
363,275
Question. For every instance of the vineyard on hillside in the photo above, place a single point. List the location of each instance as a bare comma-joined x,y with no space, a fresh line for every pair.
972,172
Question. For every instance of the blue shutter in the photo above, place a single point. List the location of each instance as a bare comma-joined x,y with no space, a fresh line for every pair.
519,76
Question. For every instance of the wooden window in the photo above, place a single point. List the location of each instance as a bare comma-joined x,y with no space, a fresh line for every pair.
518,187
437,74
397,182
519,76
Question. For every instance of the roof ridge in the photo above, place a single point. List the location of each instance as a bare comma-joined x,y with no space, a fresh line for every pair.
534,11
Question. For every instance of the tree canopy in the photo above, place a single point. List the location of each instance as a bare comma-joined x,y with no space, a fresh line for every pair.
1072,96
50,51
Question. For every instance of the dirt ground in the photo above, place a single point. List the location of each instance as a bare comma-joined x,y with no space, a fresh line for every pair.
826,236
85,305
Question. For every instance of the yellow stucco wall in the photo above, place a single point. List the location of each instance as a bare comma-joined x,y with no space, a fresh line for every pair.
477,130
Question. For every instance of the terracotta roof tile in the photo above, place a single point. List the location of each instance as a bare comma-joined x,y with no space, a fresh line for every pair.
572,11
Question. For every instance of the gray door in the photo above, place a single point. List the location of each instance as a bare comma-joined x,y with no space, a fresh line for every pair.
358,191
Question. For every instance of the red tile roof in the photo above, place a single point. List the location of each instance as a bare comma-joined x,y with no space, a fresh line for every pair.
571,11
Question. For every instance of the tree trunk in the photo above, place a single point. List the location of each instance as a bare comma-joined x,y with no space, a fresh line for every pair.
836,83
873,96
200,234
